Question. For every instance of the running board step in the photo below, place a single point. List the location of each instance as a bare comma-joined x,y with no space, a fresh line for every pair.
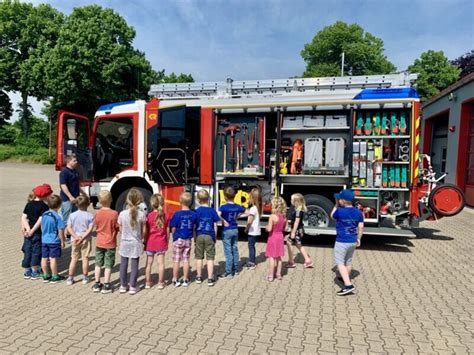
388,232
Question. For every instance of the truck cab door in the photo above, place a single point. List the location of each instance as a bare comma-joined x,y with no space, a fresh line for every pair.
167,146
73,138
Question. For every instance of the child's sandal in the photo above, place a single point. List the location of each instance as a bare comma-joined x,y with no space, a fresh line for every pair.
279,277
269,278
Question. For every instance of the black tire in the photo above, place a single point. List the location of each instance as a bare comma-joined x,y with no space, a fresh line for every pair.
447,211
319,210
120,204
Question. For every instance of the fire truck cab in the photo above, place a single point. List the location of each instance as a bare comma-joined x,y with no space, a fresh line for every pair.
313,136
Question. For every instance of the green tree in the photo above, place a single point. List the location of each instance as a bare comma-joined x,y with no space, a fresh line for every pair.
364,53
435,73
6,109
25,31
465,63
174,78
94,63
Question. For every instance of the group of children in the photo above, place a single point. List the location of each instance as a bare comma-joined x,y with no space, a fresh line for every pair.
44,237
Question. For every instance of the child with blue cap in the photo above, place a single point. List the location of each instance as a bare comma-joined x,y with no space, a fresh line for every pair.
349,229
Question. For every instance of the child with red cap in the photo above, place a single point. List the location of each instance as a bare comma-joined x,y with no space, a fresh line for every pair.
31,230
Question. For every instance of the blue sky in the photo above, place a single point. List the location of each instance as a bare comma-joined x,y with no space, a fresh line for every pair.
216,39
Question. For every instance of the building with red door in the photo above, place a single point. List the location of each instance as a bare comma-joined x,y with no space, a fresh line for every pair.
448,134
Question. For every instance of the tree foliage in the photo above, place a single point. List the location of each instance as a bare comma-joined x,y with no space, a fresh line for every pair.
465,63
94,62
435,73
364,53
25,33
6,109
174,78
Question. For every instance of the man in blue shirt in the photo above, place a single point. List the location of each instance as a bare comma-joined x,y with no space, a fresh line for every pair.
349,230
70,190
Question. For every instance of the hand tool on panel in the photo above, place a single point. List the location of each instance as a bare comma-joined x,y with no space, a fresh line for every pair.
223,146
238,153
261,146
232,129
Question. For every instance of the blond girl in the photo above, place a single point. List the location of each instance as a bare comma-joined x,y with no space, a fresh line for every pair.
156,239
132,224
297,211
275,245
253,225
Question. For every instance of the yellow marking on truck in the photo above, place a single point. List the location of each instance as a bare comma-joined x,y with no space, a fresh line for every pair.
171,202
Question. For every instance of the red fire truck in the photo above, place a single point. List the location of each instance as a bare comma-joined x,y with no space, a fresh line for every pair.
314,136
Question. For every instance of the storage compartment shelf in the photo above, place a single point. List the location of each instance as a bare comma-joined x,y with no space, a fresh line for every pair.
239,174
382,188
394,162
314,175
381,137
300,129
371,220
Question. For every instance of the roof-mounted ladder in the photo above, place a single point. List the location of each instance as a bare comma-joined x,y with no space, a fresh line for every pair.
231,88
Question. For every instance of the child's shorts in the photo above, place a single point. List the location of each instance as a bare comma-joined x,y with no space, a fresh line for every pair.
81,250
343,253
105,257
50,251
296,240
204,245
181,250
155,252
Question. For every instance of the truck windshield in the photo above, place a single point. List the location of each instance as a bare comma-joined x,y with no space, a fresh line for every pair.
113,147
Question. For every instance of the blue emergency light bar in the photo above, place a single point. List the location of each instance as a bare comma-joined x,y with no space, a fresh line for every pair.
384,94
109,107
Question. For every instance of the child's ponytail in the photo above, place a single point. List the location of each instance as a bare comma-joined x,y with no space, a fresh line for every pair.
134,198
157,202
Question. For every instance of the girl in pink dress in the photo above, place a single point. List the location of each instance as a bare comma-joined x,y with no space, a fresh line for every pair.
156,242
275,243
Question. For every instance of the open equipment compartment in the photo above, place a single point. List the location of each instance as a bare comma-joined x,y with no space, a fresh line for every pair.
315,143
381,160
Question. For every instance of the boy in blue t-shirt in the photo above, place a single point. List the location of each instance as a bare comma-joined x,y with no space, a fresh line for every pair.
182,226
349,230
206,231
52,228
230,212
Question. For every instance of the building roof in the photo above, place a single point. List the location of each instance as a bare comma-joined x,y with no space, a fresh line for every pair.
461,82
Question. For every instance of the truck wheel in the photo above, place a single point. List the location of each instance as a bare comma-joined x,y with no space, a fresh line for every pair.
447,200
319,213
120,205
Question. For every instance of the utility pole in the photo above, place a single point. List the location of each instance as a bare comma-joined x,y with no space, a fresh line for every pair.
342,64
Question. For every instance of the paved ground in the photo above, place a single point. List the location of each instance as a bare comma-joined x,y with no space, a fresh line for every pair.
413,296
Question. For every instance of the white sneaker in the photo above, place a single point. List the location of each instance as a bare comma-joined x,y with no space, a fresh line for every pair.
85,280
132,291
70,280
185,283
123,289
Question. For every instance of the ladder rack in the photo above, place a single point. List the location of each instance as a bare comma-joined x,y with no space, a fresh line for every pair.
248,88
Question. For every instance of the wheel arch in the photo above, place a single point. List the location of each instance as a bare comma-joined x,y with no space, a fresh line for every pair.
126,183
